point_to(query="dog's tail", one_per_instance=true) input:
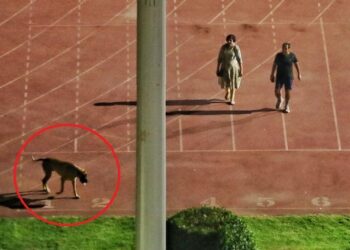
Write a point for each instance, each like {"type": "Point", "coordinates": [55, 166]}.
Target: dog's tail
{"type": "Point", "coordinates": [39, 159]}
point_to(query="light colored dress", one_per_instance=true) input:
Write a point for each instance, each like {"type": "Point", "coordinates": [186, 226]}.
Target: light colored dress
{"type": "Point", "coordinates": [230, 67]}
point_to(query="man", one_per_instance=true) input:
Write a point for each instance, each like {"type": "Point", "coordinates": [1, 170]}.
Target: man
{"type": "Point", "coordinates": [284, 64]}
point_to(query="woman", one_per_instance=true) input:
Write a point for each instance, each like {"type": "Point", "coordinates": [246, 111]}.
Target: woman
{"type": "Point", "coordinates": [230, 68]}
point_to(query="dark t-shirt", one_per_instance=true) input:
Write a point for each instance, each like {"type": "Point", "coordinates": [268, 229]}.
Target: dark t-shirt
{"type": "Point", "coordinates": [285, 65]}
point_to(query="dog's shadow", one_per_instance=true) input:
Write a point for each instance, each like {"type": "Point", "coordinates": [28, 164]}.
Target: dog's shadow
{"type": "Point", "coordinates": [11, 200]}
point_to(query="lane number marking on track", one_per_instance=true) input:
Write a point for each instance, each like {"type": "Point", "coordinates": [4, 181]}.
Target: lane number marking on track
{"type": "Point", "coordinates": [321, 201]}
{"type": "Point", "coordinates": [48, 204]}
{"type": "Point", "coordinates": [210, 202]}
{"type": "Point", "coordinates": [265, 202]}
{"type": "Point", "coordinates": [100, 202]}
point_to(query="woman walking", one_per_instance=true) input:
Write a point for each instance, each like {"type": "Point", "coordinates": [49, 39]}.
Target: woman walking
{"type": "Point", "coordinates": [230, 68]}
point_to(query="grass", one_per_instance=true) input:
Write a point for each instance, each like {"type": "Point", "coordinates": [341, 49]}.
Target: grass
{"type": "Point", "coordinates": [319, 232]}
{"type": "Point", "coordinates": [103, 233]}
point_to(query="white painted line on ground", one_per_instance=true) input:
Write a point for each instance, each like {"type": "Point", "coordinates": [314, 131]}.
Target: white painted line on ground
{"type": "Point", "coordinates": [224, 8]}
{"type": "Point", "coordinates": [274, 41]}
{"type": "Point", "coordinates": [203, 151]}
{"type": "Point", "coordinates": [30, 4]}
{"type": "Point", "coordinates": [62, 52]}
{"type": "Point", "coordinates": [26, 81]}
{"type": "Point", "coordinates": [178, 71]}
{"type": "Point", "coordinates": [41, 32]}
{"type": "Point", "coordinates": [167, 122]}
{"type": "Point", "coordinates": [180, 136]}
{"type": "Point", "coordinates": [128, 75]}
{"type": "Point", "coordinates": [77, 86]}
{"type": "Point", "coordinates": [325, 49]}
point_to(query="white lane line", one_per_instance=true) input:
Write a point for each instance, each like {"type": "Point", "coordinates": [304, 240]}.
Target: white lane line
{"type": "Point", "coordinates": [272, 10]}
{"type": "Point", "coordinates": [111, 56]}
{"type": "Point", "coordinates": [70, 80]}
{"type": "Point", "coordinates": [176, 8]}
{"type": "Point", "coordinates": [41, 32]}
{"type": "Point", "coordinates": [128, 75]}
{"type": "Point", "coordinates": [256, 67]}
{"type": "Point", "coordinates": [64, 51]}
{"type": "Point", "coordinates": [274, 41]}
{"type": "Point", "coordinates": [77, 86]}
{"type": "Point", "coordinates": [325, 49]}
{"type": "Point", "coordinates": [321, 12]}
{"type": "Point", "coordinates": [233, 138]}
{"type": "Point", "coordinates": [18, 12]}
{"type": "Point", "coordinates": [202, 67]}
{"type": "Point", "coordinates": [111, 121]}
{"type": "Point", "coordinates": [177, 69]}
{"type": "Point", "coordinates": [119, 117]}
{"type": "Point", "coordinates": [26, 81]}
{"type": "Point", "coordinates": [223, 12]}
{"type": "Point", "coordinates": [215, 151]}
{"type": "Point", "coordinates": [68, 112]}
{"type": "Point", "coordinates": [191, 37]}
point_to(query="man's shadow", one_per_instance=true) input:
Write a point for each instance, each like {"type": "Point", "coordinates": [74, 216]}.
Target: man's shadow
{"type": "Point", "coordinates": [33, 199]}
{"type": "Point", "coordinates": [185, 102]}
{"type": "Point", "coordinates": [11, 200]}
{"type": "Point", "coordinates": [218, 112]}
{"type": "Point", "coordinates": [191, 102]}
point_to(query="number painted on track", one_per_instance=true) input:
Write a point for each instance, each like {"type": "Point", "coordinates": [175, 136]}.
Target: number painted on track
{"type": "Point", "coordinates": [100, 202]}
{"type": "Point", "coordinates": [265, 202]}
{"type": "Point", "coordinates": [211, 202]}
{"type": "Point", "coordinates": [48, 204]}
{"type": "Point", "coordinates": [321, 201]}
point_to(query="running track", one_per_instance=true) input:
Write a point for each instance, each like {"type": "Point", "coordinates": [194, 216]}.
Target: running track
{"type": "Point", "coordinates": [75, 61]}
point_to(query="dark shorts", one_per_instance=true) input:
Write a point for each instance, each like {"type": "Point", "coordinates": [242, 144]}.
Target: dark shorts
{"type": "Point", "coordinates": [286, 82]}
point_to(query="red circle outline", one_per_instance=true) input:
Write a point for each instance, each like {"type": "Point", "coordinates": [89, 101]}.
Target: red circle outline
{"type": "Point", "coordinates": [43, 130]}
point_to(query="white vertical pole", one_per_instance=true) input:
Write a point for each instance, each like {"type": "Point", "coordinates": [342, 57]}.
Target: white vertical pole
{"type": "Point", "coordinates": [151, 151]}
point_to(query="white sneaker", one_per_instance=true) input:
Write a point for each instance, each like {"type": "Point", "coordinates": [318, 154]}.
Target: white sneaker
{"type": "Point", "coordinates": [286, 109]}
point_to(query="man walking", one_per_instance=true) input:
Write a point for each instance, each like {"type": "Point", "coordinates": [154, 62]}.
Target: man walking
{"type": "Point", "coordinates": [284, 77]}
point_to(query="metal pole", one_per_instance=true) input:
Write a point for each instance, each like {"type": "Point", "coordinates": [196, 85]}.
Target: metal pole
{"type": "Point", "coordinates": [151, 151]}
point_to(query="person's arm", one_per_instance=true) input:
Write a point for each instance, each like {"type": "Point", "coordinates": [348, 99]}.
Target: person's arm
{"type": "Point", "coordinates": [240, 61]}
{"type": "Point", "coordinates": [219, 62]}
{"type": "Point", "coordinates": [272, 76]}
{"type": "Point", "coordinates": [298, 70]}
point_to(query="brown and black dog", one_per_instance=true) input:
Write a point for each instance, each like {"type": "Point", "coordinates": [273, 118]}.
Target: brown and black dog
{"type": "Point", "coordinates": [66, 170]}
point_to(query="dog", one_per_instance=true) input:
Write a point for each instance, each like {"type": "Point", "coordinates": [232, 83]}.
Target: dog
{"type": "Point", "coordinates": [66, 170]}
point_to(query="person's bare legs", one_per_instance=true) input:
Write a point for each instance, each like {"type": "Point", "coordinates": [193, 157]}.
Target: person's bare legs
{"type": "Point", "coordinates": [232, 96]}
{"type": "Point", "coordinates": [278, 96]}
{"type": "Point", "coordinates": [286, 104]}
{"type": "Point", "coordinates": [227, 94]}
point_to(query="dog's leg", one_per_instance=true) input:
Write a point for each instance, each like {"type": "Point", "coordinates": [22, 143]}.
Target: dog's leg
{"type": "Point", "coordinates": [62, 186]}
{"type": "Point", "coordinates": [74, 183]}
{"type": "Point", "coordinates": [45, 180]}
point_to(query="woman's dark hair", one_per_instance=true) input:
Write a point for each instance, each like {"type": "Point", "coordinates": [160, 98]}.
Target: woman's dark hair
{"type": "Point", "coordinates": [231, 37]}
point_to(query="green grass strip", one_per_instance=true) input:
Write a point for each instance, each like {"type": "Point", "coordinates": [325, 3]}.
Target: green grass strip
{"type": "Point", "coordinates": [321, 232]}
{"type": "Point", "coordinates": [314, 232]}
{"type": "Point", "coordinates": [103, 233]}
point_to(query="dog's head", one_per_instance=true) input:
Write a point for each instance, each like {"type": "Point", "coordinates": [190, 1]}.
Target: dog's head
{"type": "Point", "coordinates": [83, 177]}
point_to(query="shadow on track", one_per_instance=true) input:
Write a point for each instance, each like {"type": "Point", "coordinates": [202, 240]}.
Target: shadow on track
{"type": "Point", "coordinates": [218, 112]}
{"type": "Point", "coordinates": [186, 102]}
{"type": "Point", "coordinates": [33, 199]}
